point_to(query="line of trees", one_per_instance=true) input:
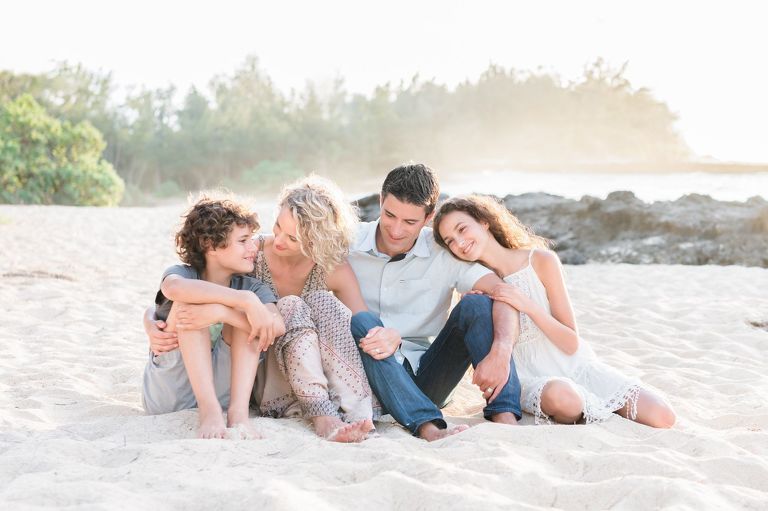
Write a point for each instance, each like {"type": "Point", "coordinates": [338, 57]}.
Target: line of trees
{"type": "Point", "coordinates": [243, 131]}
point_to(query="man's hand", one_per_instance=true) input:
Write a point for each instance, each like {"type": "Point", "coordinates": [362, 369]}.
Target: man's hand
{"type": "Point", "coordinates": [262, 322]}
{"type": "Point", "coordinates": [492, 373]}
{"type": "Point", "coordinates": [191, 316]}
{"type": "Point", "coordinates": [380, 342]}
{"type": "Point", "coordinates": [160, 341]}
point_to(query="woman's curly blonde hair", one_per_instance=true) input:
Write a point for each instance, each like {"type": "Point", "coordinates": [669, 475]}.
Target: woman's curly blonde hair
{"type": "Point", "coordinates": [326, 222]}
{"type": "Point", "coordinates": [503, 225]}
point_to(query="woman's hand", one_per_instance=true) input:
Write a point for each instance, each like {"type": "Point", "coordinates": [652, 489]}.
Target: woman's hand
{"type": "Point", "coordinates": [160, 341]}
{"type": "Point", "coordinates": [380, 342]}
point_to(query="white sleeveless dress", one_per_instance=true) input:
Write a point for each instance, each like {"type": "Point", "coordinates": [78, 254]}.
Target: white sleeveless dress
{"type": "Point", "coordinates": [538, 361]}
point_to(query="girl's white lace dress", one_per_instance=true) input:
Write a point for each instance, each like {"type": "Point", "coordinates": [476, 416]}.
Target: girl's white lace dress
{"type": "Point", "coordinates": [538, 361]}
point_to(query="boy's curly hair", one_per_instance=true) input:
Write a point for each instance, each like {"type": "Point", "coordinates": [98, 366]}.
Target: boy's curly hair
{"type": "Point", "coordinates": [207, 225]}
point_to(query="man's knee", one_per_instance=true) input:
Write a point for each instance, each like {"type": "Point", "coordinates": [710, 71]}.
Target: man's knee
{"type": "Point", "coordinates": [475, 307]}
{"type": "Point", "coordinates": [362, 322]}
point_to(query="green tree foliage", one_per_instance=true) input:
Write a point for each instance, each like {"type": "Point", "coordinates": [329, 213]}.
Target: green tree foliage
{"type": "Point", "coordinates": [243, 131]}
{"type": "Point", "coordinates": [47, 161]}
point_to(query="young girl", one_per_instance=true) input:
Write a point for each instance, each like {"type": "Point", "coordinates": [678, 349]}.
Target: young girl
{"type": "Point", "coordinates": [561, 378]}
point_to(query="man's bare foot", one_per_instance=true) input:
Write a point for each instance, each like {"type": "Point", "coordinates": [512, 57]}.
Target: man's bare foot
{"type": "Point", "coordinates": [336, 430]}
{"type": "Point", "coordinates": [212, 424]}
{"type": "Point", "coordinates": [240, 422]}
{"type": "Point", "coordinates": [505, 418]}
{"type": "Point", "coordinates": [429, 432]}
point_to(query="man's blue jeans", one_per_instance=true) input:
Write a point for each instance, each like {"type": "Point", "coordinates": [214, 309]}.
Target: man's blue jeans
{"type": "Point", "coordinates": [465, 339]}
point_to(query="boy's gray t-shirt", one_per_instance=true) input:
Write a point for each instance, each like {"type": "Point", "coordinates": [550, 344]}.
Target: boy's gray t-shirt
{"type": "Point", "coordinates": [240, 282]}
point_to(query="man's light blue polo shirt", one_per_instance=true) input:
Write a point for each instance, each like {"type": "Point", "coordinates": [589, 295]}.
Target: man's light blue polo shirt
{"type": "Point", "coordinates": [412, 295]}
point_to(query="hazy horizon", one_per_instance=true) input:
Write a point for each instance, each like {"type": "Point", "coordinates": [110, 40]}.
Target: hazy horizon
{"type": "Point", "coordinates": [707, 71]}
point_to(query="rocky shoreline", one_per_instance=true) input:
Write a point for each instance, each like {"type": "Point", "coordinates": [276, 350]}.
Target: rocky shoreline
{"type": "Point", "coordinates": [694, 229]}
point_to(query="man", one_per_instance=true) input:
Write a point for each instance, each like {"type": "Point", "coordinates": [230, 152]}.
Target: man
{"type": "Point", "coordinates": [413, 352]}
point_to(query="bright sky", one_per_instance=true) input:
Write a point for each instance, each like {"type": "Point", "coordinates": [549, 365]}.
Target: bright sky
{"type": "Point", "coordinates": [706, 60]}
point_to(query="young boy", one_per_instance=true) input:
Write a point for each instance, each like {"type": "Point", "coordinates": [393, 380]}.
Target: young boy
{"type": "Point", "coordinates": [216, 246]}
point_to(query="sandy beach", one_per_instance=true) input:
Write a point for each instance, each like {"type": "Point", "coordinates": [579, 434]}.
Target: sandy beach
{"type": "Point", "coordinates": [75, 281]}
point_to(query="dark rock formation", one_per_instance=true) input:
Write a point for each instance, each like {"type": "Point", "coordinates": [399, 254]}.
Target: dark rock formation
{"type": "Point", "coordinates": [694, 229]}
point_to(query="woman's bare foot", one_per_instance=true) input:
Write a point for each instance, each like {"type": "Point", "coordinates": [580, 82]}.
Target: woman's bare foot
{"type": "Point", "coordinates": [505, 418]}
{"type": "Point", "coordinates": [241, 423]}
{"type": "Point", "coordinates": [211, 424]}
{"type": "Point", "coordinates": [429, 432]}
{"type": "Point", "coordinates": [336, 430]}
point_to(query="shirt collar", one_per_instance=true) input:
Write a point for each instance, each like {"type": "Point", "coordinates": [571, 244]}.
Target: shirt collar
{"type": "Point", "coordinates": [368, 241]}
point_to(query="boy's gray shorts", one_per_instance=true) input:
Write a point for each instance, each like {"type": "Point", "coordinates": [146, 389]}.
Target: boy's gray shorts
{"type": "Point", "coordinates": [166, 387]}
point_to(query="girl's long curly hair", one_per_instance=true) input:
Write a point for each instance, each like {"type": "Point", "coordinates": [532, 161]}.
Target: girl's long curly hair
{"type": "Point", "coordinates": [503, 225]}
{"type": "Point", "coordinates": [326, 221]}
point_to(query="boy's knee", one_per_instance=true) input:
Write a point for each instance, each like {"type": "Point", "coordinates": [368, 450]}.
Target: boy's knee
{"type": "Point", "coordinates": [186, 336]}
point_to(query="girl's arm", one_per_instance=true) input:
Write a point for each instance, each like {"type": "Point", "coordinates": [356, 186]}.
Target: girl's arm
{"type": "Point", "coordinates": [560, 325]}
{"type": "Point", "coordinates": [343, 282]}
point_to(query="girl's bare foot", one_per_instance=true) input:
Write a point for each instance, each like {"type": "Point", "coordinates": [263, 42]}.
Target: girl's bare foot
{"type": "Point", "coordinates": [429, 432]}
{"type": "Point", "coordinates": [211, 424]}
{"type": "Point", "coordinates": [336, 430]}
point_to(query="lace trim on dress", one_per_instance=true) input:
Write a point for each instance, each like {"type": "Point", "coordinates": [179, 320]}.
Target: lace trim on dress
{"type": "Point", "coordinates": [535, 405]}
{"type": "Point", "coordinates": [528, 330]}
{"type": "Point", "coordinates": [595, 410]}
{"type": "Point", "coordinates": [626, 397]}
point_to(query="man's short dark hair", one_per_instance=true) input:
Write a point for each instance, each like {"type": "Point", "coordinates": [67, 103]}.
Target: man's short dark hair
{"type": "Point", "coordinates": [414, 183]}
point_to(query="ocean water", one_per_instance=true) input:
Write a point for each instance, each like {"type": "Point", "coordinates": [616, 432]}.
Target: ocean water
{"type": "Point", "coordinates": [648, 187]}
{"type": "Point", "coordinates": [573, 185]}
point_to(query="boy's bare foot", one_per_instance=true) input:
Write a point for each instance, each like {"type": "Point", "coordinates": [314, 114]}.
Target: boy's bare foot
{"type": "Point", "coordinates": [429, 432]}
{"type": "Point", "coordinates": [211, 424]}
{"type": "Point", "coordinates": [336, 430]}
{"type": "Point", "coordinates": [241, 423]}
{"type": "Point", "coordinates": [244, 431]}
{"type": "Point", "coordinates": [505, 418]}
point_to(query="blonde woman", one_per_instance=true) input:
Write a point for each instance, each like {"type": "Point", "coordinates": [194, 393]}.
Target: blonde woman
{"type": "Point", "coordinates": [314, 370]}
{"type": "Point", "coordinates": [560, 376]}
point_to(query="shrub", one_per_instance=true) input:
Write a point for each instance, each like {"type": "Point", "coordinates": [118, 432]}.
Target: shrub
{"type": "Point", "coordinates": [46, 161]}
